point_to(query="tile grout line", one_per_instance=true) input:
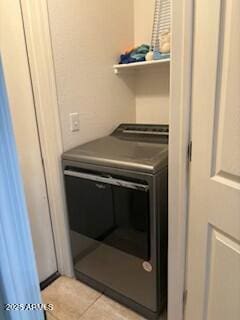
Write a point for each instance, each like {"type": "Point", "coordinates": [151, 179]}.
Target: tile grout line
{"type": "Point", "coordinates": [90, 306]}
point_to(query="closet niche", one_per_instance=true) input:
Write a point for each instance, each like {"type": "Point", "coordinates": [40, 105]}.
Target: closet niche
{"type": "Point", "coordinates": [151, 78]}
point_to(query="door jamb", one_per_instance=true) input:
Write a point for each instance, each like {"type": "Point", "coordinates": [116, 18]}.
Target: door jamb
{"type": "Point", "coordinates": [39, 50]}
{"type": "Point", "coordinates": [180, 120]}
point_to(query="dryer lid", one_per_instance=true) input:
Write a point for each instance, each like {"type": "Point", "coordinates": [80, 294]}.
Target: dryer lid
{"type": "Point", "coordinates": [132, 147]}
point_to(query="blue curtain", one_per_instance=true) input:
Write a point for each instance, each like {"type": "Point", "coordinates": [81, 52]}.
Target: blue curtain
{"type": "Point", "coordinates": [19, 282]}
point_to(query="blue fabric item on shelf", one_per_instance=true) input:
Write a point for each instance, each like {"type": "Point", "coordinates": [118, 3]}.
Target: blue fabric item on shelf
{"type": "Point", "coordinates": [159, 56]}
{"type": "Point", "coordinates": [135, 55]}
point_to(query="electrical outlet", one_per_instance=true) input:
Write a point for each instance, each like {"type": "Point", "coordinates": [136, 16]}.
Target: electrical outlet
{"type": "Point", "coordinates": [74, 121]}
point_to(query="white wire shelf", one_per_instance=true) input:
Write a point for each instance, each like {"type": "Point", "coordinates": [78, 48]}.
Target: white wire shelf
{"type": "Point", "coordinates": [139, 65]}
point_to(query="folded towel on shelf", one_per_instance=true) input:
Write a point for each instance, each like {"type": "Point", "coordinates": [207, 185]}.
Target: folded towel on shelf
{"type": "Point", "coordinates": [160, 56]}
{"type": "Point", "coordinates": [134, 55]}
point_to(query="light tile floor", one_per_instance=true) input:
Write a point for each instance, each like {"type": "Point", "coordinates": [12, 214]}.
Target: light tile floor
{"type": "Point", "coordinates": [73, 300]}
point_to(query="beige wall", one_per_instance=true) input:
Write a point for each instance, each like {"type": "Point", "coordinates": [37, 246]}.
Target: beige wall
{"type": "Point", "coordinates": [152, 87]}
{"type": "Point", "coordinates": [152, 95]}
{"type": "Point", "coordinates": [87, 37]}
{"type": "Point", "coordinates": [143, 20]}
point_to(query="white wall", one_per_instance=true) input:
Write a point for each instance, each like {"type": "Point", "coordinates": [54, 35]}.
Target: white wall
{"type": "Point", "coordinates": [143, 21]}
{"type": "Point", "coordinates": [152, 87]}
{"type": "Point", "coordinates": [87, 37]}
{"type": "Point", "coordinates": [152, 95]}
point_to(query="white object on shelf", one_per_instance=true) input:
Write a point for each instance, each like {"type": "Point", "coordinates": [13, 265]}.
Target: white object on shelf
{"type": "Point", "coordinates": [139, 65]}
{"type": "Point", "coordinates": [149, 56]}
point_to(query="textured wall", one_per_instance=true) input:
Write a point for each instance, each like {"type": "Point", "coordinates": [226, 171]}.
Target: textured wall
{"type": "Point", "coordinates": [87, 37]}
{"type": "Point", "coordinates": [152, 95]}
{"type": "Point", "coordinates": [143, 19]}
{"type": "Point", "coordinates": [152, 88]}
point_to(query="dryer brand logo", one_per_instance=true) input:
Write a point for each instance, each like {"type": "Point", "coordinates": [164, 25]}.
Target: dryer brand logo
{"type": "Point", "coordinates": [147, 266]}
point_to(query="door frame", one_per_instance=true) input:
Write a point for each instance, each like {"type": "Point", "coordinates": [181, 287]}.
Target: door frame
{"type": "Point", "coordinates": [39, 51]}
{"type": "Point", "coordinates": [179, 142]}
{"type": "Point", "coordinates": [39, 47]}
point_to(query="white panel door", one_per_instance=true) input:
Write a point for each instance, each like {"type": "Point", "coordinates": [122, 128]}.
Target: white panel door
{"type": "Point", "coordinates": [18, 82]}
{"type": "Point", "coordinates": [213, 267]}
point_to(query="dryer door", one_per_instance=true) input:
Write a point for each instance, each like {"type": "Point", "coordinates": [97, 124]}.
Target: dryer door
{"type": "Point", "coordinates": [109, 219]}
{"type": "Point", "coordinates": [110, 210]}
